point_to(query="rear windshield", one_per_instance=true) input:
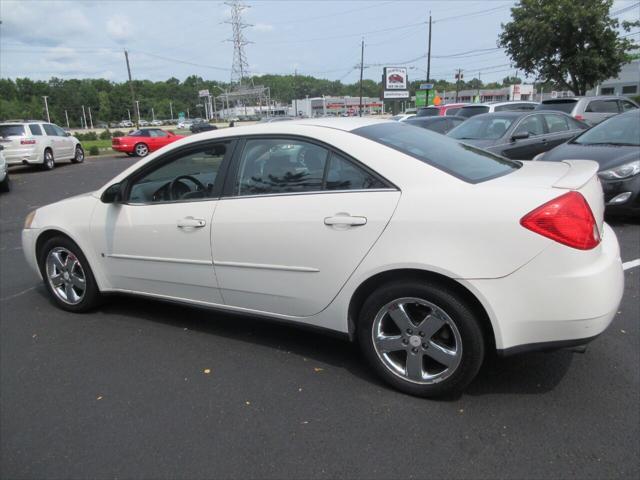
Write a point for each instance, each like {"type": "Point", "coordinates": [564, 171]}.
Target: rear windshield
{"type": "Point", "coordinates": [465, 162]}
{"type": "Point", "coordinates": [428, 112]}
{"type": "Point", "coordinates": [565, 106]}
{"type": "Point", "coordinates": [471, 111]}
{"type": "Point", "coordinates": [11, 130]}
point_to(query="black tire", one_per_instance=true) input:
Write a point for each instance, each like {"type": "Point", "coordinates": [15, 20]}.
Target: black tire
{"type": "Point", "coordinates": [92, 296]}
{"type": "Point", "coordinates": [49, 163]}
{"type": "Point", "coordinates": [79, 155]}
{"type": "Point", "coordinates": [460, 314]}
{"type": "Point", "coordinates": [5, 185]}
{"type": "Point", "coordinates": [141, 149]}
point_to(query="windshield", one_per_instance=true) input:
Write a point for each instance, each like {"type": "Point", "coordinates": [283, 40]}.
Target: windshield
{"type": "Point", "coordinates": [565, 106]}
{"type": "Point", "coordinates": [618, 130]}
{"type": "Point", "coordinates": [428, 112]}
{"type": "Point", "coordinates": [462, 161]}
{"type": "Point", "coordinates": [11, 130]}
{"type": "Point", "coordinates": [468, 112]}
{"type": "Point", "coordinates": [486, 127]}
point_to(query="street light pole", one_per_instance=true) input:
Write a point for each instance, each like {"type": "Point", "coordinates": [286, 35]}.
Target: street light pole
{"type": "Point", "coordinates": [429, 59]}
{"type": "Point", "coordinates": [361, 69]}
{"type": "Point", "coordinates": [84, 115]}
{"type": "Point", "coordinates": [90, 118]}
{"type": "Point", "coordinates": [138, 113]}
{"type": "Point", "coordinates": [67, 117]}
{"type": "Point", "coordinates": [46, 107]}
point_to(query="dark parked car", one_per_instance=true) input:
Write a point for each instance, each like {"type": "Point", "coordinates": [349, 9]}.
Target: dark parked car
{"type": "Point", "coordinates": [202, 127]}
{"type": "Point", "coordinates": [518, 135]}
{"type": "Point", "coordinates": [435, 124]}
{"type": "Point", "coordinates": [615, 145]}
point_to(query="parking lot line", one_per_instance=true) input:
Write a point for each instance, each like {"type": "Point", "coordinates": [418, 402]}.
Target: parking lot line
{"type": "Point", "coordinates": [631, 264]}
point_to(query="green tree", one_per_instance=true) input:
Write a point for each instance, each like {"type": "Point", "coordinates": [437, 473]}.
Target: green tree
{"type": "Point", "coordinates": [574, 44]}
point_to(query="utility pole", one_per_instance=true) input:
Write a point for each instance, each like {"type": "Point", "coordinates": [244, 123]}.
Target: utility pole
{"type": "Point", "coordinates": [429, 59]}
{"type": "Point", "coordinates": [90, 118]}
{"type": "Point", "coordinates": [171, 109]}
{"type": "Point", "coordinates": [67, 117]}
{"type": "Point", "coordinates": [295, 92]}
{"type": "Point", "coordinates": [458, 78]}
{"type": "Point", "coordinates": [153, 115]}
{"type": "Point", "coordinates": [126, 57]}
{"type": "Point", "coordinates": [361, 69]}
{"type": "Point", "coordinates": [46, 107]}
{"type": "Point", "coordinates": [84, 115]}
{"type": "Point", "coordinates": [129, 114]}
{"type": "Point", "coordinates": [479, 83]}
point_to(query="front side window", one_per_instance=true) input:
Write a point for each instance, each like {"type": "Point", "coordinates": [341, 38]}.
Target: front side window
{"type": "Point", "coordinates": [556, 123]}
{"type": "Point", "coordinates": [50, 131]}
{"type": "Point", "coordinates": [139, 133]}
{"type": "Point", "coordinates": [158, 133]}
{"type": "Point", "coordinates": [486, 127]}
{"type": "Point", "coordinates": [191, 176]}
{"type": "Point", "coordinates": [35, 129]}
{"type": "Point", "coordinates": [59, 132]}
{"type": "Point", "coordinates": [465, 162]}
{"type": "Point", "coordinates": [531, 125]}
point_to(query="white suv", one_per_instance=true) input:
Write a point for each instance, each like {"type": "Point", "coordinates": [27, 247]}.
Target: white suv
{"type": "Point", "coordinates": [38, 143]}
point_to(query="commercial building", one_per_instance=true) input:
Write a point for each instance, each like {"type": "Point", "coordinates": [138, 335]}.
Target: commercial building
{"type": "Point", "coordinates": [512, 92]}
{"type": "Point", "coordinates": [335, 106]}
{"type": "Point", "coordinates": [626, 83]}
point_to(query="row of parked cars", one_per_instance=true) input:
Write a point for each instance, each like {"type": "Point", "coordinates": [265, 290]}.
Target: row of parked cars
{"type": "Point", "coordinates": [602, 129]}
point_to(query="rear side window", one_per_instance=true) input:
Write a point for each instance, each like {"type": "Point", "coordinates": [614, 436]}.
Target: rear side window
{"type": "Point", "coordinates": [465, 162]}
{"type": "Point", "coordinates": [49, 130]}
{"type": "Point", "coordinates": [35, 129]}
{"type": "Point", "coordinates": [602, 106]}
{"type": "Point", "coordinates": [556, 123]}
{"type": "Point", "coordinates": [565, 106]}
{"type": "Point", "coordinates": [531, 125]}
{"type": "Point", "coordinates": [344, 175]}
{"type": "Point", "coordinates": [626, 105]}
{"type": "Point", "coordinates": [11, 130]}
{"type": "Point", "coordinates": [471, 111]}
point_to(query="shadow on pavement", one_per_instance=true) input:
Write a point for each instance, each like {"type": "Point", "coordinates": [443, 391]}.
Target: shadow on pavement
{"type": "Point", "coordinates": [534, 373]}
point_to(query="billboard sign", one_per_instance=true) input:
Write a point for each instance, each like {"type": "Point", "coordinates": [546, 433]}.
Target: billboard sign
{"type": "Point", "coordinates": [395, 78]}
{"type": "Point", "coordinates": [421, 98]}
{"type": "Point", "coordinates": [426, 86]}
{"type": "Point", "coordinates": [203, 93]}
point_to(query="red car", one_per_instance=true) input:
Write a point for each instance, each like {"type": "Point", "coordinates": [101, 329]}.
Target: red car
{"type": "Point", "coordinates": [440, 110]}
{"type": "Point", "coordinates": [143, 141]}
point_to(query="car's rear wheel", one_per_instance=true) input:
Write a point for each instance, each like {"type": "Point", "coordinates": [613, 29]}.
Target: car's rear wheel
{"type": "Point", "coordinates": [141, 150]}
{"type": "Point", "coordinates": [421, 338]}
{"type": "Point", "coordinates": [49, 162]}
{"type": "Point", "coordinates": [67, 275]}
{"type": "Point", "coordinates": [79, 155]}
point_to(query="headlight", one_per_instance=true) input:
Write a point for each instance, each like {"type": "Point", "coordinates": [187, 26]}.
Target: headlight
{"type": "Point", "coordinates": [623, 171]}
{"type": "Point", "coordinates": [29, 220]}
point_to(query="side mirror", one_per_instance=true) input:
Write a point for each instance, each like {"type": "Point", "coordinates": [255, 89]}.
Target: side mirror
{"type": "Point", "coordinates": [519, 136]}
{"type": "Point", "coordinates": [67, 134]}
{"type": "Point", "coordinates": [113, 194]}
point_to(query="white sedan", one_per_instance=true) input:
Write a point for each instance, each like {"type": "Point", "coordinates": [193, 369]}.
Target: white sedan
{"type": "Point", "coordinates": [426, 251]}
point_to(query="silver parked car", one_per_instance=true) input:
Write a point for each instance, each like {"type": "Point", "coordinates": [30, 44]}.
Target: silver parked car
{"type": "Point", "coordinates": [5, 184]}
{"type": "Point", "coordinates": [591, 110]}
{"type": "Point", "coordinates": [473, 109]}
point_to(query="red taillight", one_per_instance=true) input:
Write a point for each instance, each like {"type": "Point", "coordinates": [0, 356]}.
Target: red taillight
{"type": "Point", "coordinates": [567, 219]}
{"type": "Point", "coordinates": [27, 141]}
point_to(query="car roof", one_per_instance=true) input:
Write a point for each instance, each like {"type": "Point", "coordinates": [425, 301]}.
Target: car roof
{"type": "Point", "coordinates": [597, 97]}
{"type": "Point", "coordinates": [507, 113]}
{"type": "Point", "coordinates": [495, 104]}
{"type": "Point", "coordinates": [339, 123]}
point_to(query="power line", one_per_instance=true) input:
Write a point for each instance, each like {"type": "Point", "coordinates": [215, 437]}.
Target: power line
{"type": "Point", "coordinates": [626, 9]}
{"type": "Point", "coordinates": [472, 14]}
{"type": "Point", "coordinates": [330, 15]}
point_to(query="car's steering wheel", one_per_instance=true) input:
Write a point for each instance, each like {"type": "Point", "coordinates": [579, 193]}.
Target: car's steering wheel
{"type": "Point", "coordinates": [173, 186]}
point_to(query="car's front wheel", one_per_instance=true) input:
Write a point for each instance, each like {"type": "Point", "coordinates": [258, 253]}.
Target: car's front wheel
{"type": "Point", "coordinates": [421, 338]}
{"type": "Point", "coordinates": [49, 162]}
{"type": "Point", "coordinates": [141, 150]}
{"type": "Point", "coordinates": [67, 275]}
{"type": "Point", "coordinates": [79, 155]}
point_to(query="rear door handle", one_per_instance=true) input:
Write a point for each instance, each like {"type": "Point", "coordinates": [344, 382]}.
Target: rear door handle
{"type": "Point", "coordinates": [345, 221]}
{"type": "Point", "coordinates": [190, 222]}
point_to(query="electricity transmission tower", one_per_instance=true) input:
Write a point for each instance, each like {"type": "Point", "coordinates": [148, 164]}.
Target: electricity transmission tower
{"type": "Point", "coordinates": [240, 67]}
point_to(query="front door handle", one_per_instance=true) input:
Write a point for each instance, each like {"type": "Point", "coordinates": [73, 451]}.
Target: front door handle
{"type": "Point", "coordinates": [345, 220]}
{"type": "Point", "coordinates": [190, 222]}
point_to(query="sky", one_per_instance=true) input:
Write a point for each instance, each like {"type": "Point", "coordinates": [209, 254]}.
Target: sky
{"type": "Point", "coordinates": [173, 38]}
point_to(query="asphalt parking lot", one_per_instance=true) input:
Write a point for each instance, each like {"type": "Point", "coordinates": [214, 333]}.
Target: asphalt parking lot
{"type": "Point", "coordinates": [149, 390]}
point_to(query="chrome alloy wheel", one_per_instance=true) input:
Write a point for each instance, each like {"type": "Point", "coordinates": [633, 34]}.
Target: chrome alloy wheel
{"type": "Point", "coordinates": [142, 150]}
{"type": "Point", "coordinates": [66, 276]}
{"type": "Point", "coordinates": [49, 162]}
{"type": "Point", "coordinates": [417, 341]}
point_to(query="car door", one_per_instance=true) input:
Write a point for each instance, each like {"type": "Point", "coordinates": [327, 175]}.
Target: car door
{"type": "Point", "coordinates": [157, 240]}
{"type": "Point", "coordinates": [296, 220]}
{"type": "Point", "coordinates": [559, 129]}
{"type": "Point", "coordinates": [54, 140]}
{"type": "Point", "coordinates": [526, 148]}
{"type": "Point", "coordinates": [156, 139]}
{"type": "Point", "coordinates": [67, 146]}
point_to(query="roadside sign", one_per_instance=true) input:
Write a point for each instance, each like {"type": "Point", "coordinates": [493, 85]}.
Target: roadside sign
{"type": "Point", "coordinates": [426, 86]}
{"type": "Point", "coordinates": [203, 93]}
{"type": "Point", "coordinates": [421, 98]}
{"type": "Point", "coordinates": [395, 78]}
{"type": "Point", "coordinates": [396, 94]}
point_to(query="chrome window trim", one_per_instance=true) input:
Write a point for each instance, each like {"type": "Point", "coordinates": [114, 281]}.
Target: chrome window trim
{"type": "Point", "coordinates": [315, 192]}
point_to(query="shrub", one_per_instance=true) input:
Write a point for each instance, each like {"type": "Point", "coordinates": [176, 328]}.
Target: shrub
{"type": "Point", "coordinates": [86, 136]}
{"type": "Point", "coordinates": [94, 150]}
{"type": "Point", "coordinates": [105, 135]}
{"type": "Point", "coordinates": [636, 99]}
{"type": "Point", "coordinates": [117, 133]}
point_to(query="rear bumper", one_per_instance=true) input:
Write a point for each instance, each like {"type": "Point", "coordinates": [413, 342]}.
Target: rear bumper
{"type": "Point", "coordinates": [21, 156]}
{"type": "Point", "coordinates": [562, 296]}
